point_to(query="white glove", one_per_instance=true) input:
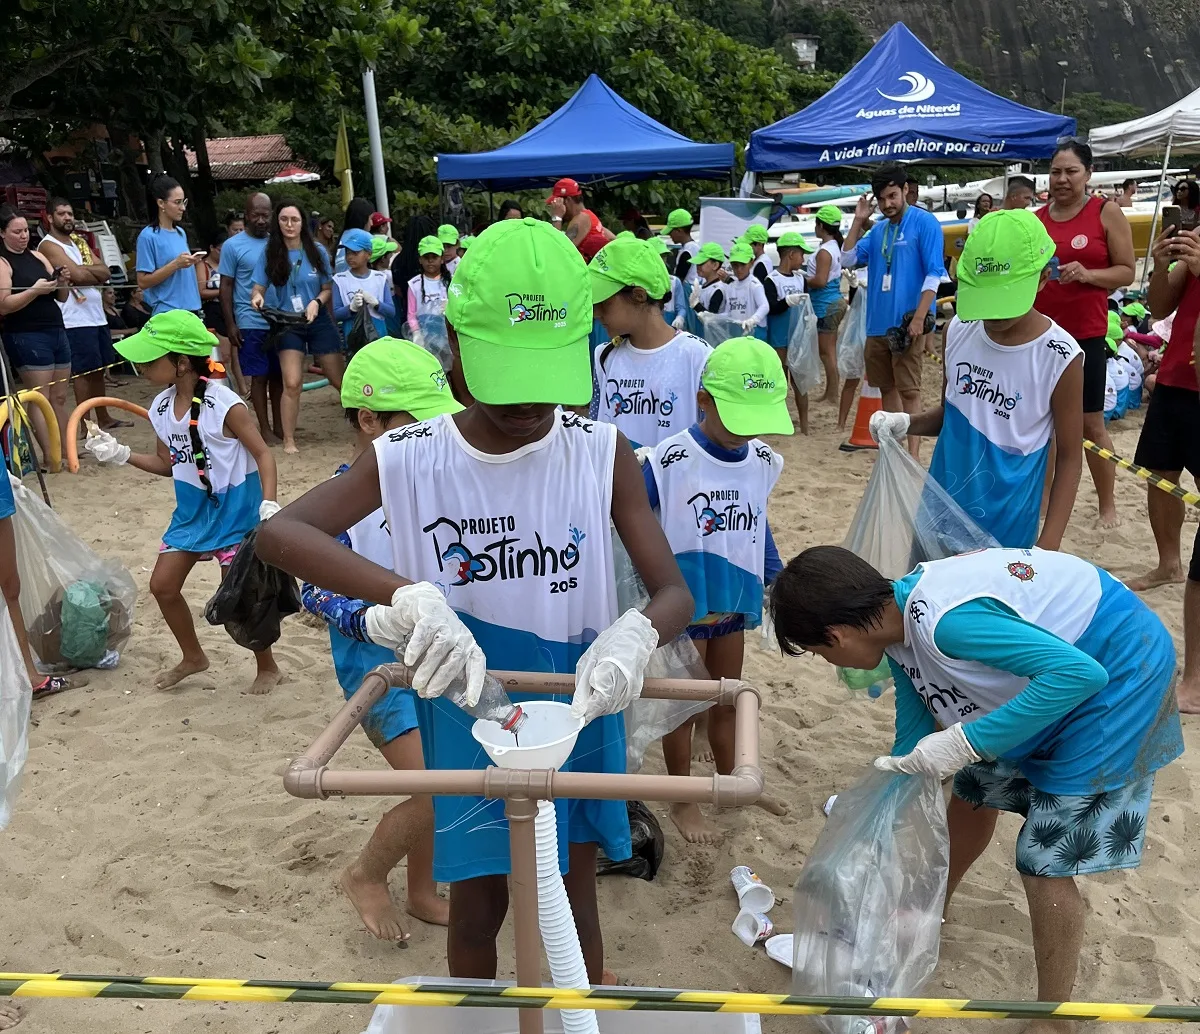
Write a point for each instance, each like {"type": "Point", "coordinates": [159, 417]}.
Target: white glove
{"type": "Point", "coordinates": [369, 298]}
{"type": "Point", "coordinates": [939, 754]}
{"type": "Point", "coordinates": [267, 509]}
{"type": "Point", "coordinates": [749, 325]}
{"type": "Point", "coordinates": [356, 302]}
{"type": "Point", "coordinates": [679, 322]}
{"type": "Point", "coordinates": [608, 677]}
{"type": "Point", "coordinates": [437, 645]}
{"type": "Point", "coordinates": [894, 425]}
{"type": "Point", "coordinates": [643, 453]}
{"type": "Point", "coordinates": [105, 448]}
{"type": "Point", "coordinates": [795, 299]}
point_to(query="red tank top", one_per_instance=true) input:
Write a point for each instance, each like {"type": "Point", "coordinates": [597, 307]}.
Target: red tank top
{"type": "Point", "coordinates": [1178, 369]}
{"type": "Point", "coordinates": [594, 239]}
{"type": "Point", "coordinates": [1080, 309]}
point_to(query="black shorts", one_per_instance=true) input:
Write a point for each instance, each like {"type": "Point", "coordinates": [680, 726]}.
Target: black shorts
{"type": "Point", "coordinates": [1095, 367]}
{"type": "Point", "coordinates": [1170, 442]}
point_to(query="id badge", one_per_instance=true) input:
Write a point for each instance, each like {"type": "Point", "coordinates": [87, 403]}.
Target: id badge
{"type": "Point", "coordinates": [298, 303]}
{"type": "Point", "coordinates": [886, 285]}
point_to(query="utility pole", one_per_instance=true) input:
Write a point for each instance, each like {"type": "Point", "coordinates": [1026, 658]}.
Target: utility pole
{"type": "Point", "coordinates": [381, 194]}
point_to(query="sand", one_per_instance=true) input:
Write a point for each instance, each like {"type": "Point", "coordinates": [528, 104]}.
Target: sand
{"type": "Point", "coordinates": [153, 835]}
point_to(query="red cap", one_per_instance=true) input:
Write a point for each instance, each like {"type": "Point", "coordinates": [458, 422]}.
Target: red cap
{"type": "Point", "coordinates": [565, 188]}
{"type": "Point", "coordinates": [377, 220]}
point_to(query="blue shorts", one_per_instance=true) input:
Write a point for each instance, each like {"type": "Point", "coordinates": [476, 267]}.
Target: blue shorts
{"type": "Point", "coordinates": [716, 625]}
{"type": "Point", "coordinates": [251, 357]}
{"type": "Point", "coordinates": [1063, 835]}
{"type": "Point", "coordinates": [8, 505]}
{"type": "Point", "coordinates": [38, 350]}
{"type": "Point", "coordinates": [320, 337]}
{"type": "Point", "coordinates": [90, 348]}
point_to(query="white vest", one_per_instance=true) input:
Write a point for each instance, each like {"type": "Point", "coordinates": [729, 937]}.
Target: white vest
{"type": "Point", "coordinates": [84, 307]}
{"type": "Point", "coordinates": [786, 286]}
{"type": "Point", "coordinates": [706, 291]}
{"type": "Point", "coordinates": [743, 298]}
{"type": "Point", "coordinates": [835, 261]}
{"type": "Point", "coordinates": [1134, 363]}
{"type": "Point", "coordinates": [520, 541]}
{"type": "Point", "coordinates": [229, 462]}
{"type": "Point", "coordinates": [1055, 591]}
{"type": "Point", "coordinates": [377, 283]}
{"type": "Point", "coordinates": [430, 295]}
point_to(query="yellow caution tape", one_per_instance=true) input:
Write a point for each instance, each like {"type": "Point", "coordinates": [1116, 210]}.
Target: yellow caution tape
{"type": "Point", "coordinates": [1146, 475]}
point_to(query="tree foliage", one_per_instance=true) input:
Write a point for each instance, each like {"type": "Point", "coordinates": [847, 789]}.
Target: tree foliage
{"type": "Point", "coordinates": [1091, 109]}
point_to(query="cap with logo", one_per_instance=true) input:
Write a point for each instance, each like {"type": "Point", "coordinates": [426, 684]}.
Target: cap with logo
{"type": "Point", "coordinates": [1135, 309]}
{"type": "Point", "coordinates": [746, 380]}
{"type": "Point", "coordinates": [565, 187]}
{"type": "Point", "coordinates": [377, 220]}
{"type": "Point", "coordinates": [521, 305]}
{"type": "Point", "coordinates": [792, 239]}
{"type": "Point", "coordinates": [176, 330]}
{"type": "Point", "coordinates": [389, 375]}
{"type": "Point", "coordinates": [429, 246]}
{"type": "Point", "coordinates": [356, 240]}
{"type": "Point", "coordinates": [830, 215]}
{"type": "Point", "coordinates": [710, 252]}
{"type": "Point", "coordinates": [1001, 265]}
{"type": "Point", "coordinates": [741, 252]}
{"type": "Point", "coordinates": [381, 246]}
{"type": "Point", "coordinates": [755, 234]}
{"type": "Point", "coordinates": [447, 234]}
{"type": "Point", "coordinates": [679, 219]}
{"type": "Point", "coordinates": [628, 262]}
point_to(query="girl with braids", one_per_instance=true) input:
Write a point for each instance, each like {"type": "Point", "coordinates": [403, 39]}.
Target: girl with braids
{"type": "Point", "coordinates": [224, 474]}
{"type": "Point", "coordinates": [427, 291]}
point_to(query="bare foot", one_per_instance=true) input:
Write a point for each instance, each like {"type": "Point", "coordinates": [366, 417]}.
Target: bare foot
{"type": "Point", "coordinates": [609, 979]}
{"type": "Point", "coordinates": [290, 448]}
{"type": "Point", "coordinates": [181, 671]}
{"type": "Point", "coordinates": [434, 910]}
{"type": "Point", "coordinates": [264, 682]}
{"type": "Point", "coordinates": [829, 398]}
{"type": "Point", "coordinates": [1187, 692]}
{"type": "Point", "coordinates": [374, 905]}
{"type": "Point", "coordinates": [1159, 576]}
{"type": "Point", "coordinates": [1108, 520]}
{"type": "Point", "coordinates": [692, 824]}
{"type": "Point", "coordinates": [772, 805]}
{"type": "Point", "coordinates": [11, 1015]}
{"type": "Point", "coordinates": [704, 755]}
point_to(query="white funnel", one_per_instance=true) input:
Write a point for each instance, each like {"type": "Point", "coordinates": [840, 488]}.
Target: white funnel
{"type": "Point", "coordinates": [546, 739]}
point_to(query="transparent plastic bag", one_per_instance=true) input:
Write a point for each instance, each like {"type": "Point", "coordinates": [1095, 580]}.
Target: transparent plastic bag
{"type": "Point", "coordinates": [51, 559]}
{"type": "Point", "coordinates": [869, 899]}
{"type": "Point", "coordinates": [431, 336]}
{"type": "Point", "coordinates": [16, 695]}
{"type": "Point", "coordinates": [803, 358]}
{"type": "Point", "coordinates": [717, 329]}
{"type": "Point", "coordinates": [852, 338]}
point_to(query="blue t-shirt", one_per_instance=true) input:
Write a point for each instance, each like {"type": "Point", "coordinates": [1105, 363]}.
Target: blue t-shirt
{"type": "Point", "coordinates": [155, 248]}
{"type": "Point", "coordinates": [239, 259]}
{"type": "Point", "coordinates": [303, 282]}
{"type": "Point", "coordinates": [917, 265]}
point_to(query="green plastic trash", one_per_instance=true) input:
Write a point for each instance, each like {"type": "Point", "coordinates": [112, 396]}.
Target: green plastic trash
{"type": "Point", "coordinates": [84, 624]}
{"type": "Point", "coordinates": [858, 679]}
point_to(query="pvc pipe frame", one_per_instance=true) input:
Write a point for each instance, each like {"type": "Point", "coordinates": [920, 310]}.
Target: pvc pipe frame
{"type": "Point", "coordinates": [40, 402]}
{"type": "Point", "coordinates": [72, 442]}
{"type": "Point", "coordinates": [308, 776]}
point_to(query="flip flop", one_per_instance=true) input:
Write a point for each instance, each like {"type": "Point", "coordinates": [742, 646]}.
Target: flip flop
{"type": "Point", "coordinates": [779, 948]}
{"type": "Point", "coordinates": [54, 684]}
{"type": "Point", "coordinates": [118, 423]}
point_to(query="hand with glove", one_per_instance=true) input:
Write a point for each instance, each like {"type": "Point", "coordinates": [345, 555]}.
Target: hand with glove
{"type": "Point", "coordinates": [795, 299]}
{"type": "Point", "coordinates": [369, 298]}
{"type": "Point", "coordinates": [356, 301]}
{"type": "Point", "coordinates": [748, 326]}
{"type": "Point", "coordinates": [267, 509]}
{"type": "Point", "coordinates": [437, 645]}
{"type": "Point", "coordinates": [679, 322]}
{"type": "Point", "coordinates": [104, 447]}
{"type": "Point", "coordinates": [893, 425]}
{"type": "Point", "coordinates": [939, 754]}
{"type": "Point", "coordinates": [608, 677]}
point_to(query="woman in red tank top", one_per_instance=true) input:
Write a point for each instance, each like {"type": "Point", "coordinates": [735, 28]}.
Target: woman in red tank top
{"type": "Point", "coordinates": [1094, 254]}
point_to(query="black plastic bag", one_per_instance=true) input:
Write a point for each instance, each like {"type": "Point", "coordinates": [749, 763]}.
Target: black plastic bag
{"type": "Point", "coordinates": [648, 844]}
{"type": "Point", "coordinates": [253, 599]}
{"type": "Point", "coordinates": [362, 331]}
{"type": "Point", "coordinates": [279, 322]}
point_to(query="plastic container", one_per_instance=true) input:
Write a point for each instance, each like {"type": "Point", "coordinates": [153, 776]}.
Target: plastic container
{"type": "Point", "coordinates": [753, 894]}
{"type": "Point", "coordinates": [546, 738]}
{"type": "Point", "coordinates": [752, 928]}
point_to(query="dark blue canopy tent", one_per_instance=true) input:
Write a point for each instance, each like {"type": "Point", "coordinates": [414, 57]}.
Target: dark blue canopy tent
{"type": "Point", "coordinates": [900, 103]}
{"type": "Point", "coordinates": [597, 136]}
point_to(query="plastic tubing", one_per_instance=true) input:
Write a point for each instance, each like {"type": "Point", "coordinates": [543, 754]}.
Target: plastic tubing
{"type": "Point", "coordinates": [313, 385]}
{"type": "Point", "coordinates": [72, 442]}
{"type": "Point", "coordinates": [559, 935]}
{"type": "Point", "coordinates": [40, 402]}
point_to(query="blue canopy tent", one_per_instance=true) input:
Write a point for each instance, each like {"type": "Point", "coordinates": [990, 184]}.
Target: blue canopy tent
{"type": "Point", "coordinates": [596, 137]}
{"type": "Point", "coordinates": [900, 103]}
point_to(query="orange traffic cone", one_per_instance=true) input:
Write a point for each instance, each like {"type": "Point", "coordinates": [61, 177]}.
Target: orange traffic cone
{"type": "Point", "coordinates": [870, 402]}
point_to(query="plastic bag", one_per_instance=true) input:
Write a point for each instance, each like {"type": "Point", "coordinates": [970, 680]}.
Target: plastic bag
{"type": "Point", "coordinates": [84, 625]}
{"type": "Point", "coordinates": [803, 357]}
{"type": "Point", "coordinates": [648, 846]}
{"type": "Point", "coordinates": [852, 338]}
{"type": "Point", "coordinates": [362, 331]}
{"type": "Point", "coordinates": [717, 329]}
{"type": "Point", "coordinates": [50, 559]}
{"type": "Point", "coordinates": [253, 599]}
{"type": "Point", "coordinates": [870, 896]}
{"type": "Point", "coordinates": [16, 695]}
{"type": "Point", "coordinates": [431, 336]}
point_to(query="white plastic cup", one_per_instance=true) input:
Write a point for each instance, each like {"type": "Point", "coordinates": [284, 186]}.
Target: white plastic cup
{"type": "Point", "coordinates": [752, 927]}
{"type": "Point", "coordinates": [753, 894]}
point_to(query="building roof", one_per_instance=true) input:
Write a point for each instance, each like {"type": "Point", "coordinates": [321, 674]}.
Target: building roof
{"type": "Point", "coordinates": [247, 158]}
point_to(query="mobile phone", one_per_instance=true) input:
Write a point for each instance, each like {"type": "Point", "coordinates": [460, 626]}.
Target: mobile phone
{"type": "Point", "coordinates": [1054, 268]}
{"type": "Point", "coordinates": [1172, 218]}
{"type": "Point", "coordinates": [58, 271]}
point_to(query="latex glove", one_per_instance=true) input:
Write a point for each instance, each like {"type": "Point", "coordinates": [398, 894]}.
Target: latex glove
{"type": "Point", "coordinates": [608, 677]}
{"type": "Point", "coordinates": [437, 645]}
{"type": "Point", "coordinates": [894, 425]}
{"type": "Point", "coordinates": [369, 298]}
{"type": "Point", "coordinates": [679, 322]}
{"type": "Point", "coordinates": [267, 509]}
{"type": "Point", "coordinates": [643, 453]}
{"type": "Point", "coordinates": [795, 299]}
{"type": "Point", "coordinates": [939, 754]}
{"type": "Point", "coordinates": [105, 448]}
{"type": "Point", "coordinates": [749, 325]}
{"type": "Point", "coordinates": [356, 301]}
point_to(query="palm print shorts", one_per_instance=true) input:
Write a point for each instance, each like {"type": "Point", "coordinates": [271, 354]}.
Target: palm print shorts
{"type": "Point", "coordinates": [1063, 835]}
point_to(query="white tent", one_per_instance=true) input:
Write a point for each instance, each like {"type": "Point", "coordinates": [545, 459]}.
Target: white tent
{"type": "Point", "coordinates": [1175, 128]}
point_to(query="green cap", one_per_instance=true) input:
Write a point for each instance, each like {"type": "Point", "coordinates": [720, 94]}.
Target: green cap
{"type": "Point", "coordinates": [741, 252]}
{"type": "Point", "coordinates": [792, 239]}
{"type": "Point", "coordinates": [429, 246]}
{"type": "Point", "coordinates": [381, 245]}
{"type": "Point", "coordinates": [659, 246]}
{"type": "Point", "coordinates": [1115, 332]}
{"type": "Point", "coordinates": [1135, 309]}
{"type": "Point", "coordinates": [679, 219]}
{"type": "Point", "coordinates": [830, 215]}
{"type": "Point", "coordinates": [389, 375]}
{"type": "Point", "coordinates": [465, 241]}
{"type": "Point", "coordinates": [755, 234]}
{"type": "Point", "coordinates": [711, 251]}
{"type": "Point", "coordinates": [521, 305]}
{"type": "Point", "coordinates": [176, 330]}
{"type": "Point", "coordinates": [746, 380]}
{"type": "Point", "coordinates": [628, 262]}
{"type": "Point", "coordinates": [1001, 265]}
{"type": "Point", "coordinates": [447, 234]}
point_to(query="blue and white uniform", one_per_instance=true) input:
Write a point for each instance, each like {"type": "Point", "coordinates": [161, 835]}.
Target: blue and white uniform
{"type": "Point", "coordinates": [745, 300]}
{"type": "Point", "coordinates": [1118, 370]}
{"type": "Point", "coordinates": [780, 327]}
{"type": "Point", "coordinates": [378, 284]}
{"type": "Point", "coordinates": [530, 572]}
{"type": "Point", "coordinates": [995, 440]}
{"type": "Point", "coordinates": [1133, 363]}
{"type": "Point", "coordinates": [200, 524]}
{"type": "Point", "coordinates": [831, 293]}
{"type": "Point", "coordinates": [676, 302]}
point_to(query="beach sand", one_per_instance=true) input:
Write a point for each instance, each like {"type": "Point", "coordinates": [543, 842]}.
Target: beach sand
{"type": "Point", "coordinates": [153, 835]}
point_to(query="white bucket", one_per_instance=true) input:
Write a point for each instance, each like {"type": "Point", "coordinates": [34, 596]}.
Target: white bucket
{"type": "Point", "coordinates": [547, 737]}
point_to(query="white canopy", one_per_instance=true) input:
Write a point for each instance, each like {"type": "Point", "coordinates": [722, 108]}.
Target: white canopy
{"type": "Point", "coordinates": [1179, 123]}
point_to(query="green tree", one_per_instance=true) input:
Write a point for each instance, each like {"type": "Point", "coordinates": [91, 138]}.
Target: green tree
{"type": "Point", "coordinates": [1091, 109]}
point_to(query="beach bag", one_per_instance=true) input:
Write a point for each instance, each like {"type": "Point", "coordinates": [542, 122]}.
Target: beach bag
{"type": "Point", "coordinates": [16, 695]}
{"type": "Point", "coordinates": [253, 599]}
{"type": "Point", "coordinates": [803, 357]}
{"type": "Point", "coordinates": [648, 842]}
{"type": "Point", "coordinates": [852, 338]}
{"type": "Point", "coordinates": [362, 331]}
{"type": "Point", "coordinates": [71, 599]}
{"type": "Point", "coordinates": [868, 902]}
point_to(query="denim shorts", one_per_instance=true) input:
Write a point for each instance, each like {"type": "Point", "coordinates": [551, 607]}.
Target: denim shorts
{"type": "Point", "coordinates": [38, 350]}
{"type": "Point", "coordinates": [90, 348]}
{"type": "Point", "coordinates": [251, 357]}
{"type": "Point", "coordinates": [832, 320]}
{"type": "Point", "coordinates": [320, 337]}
